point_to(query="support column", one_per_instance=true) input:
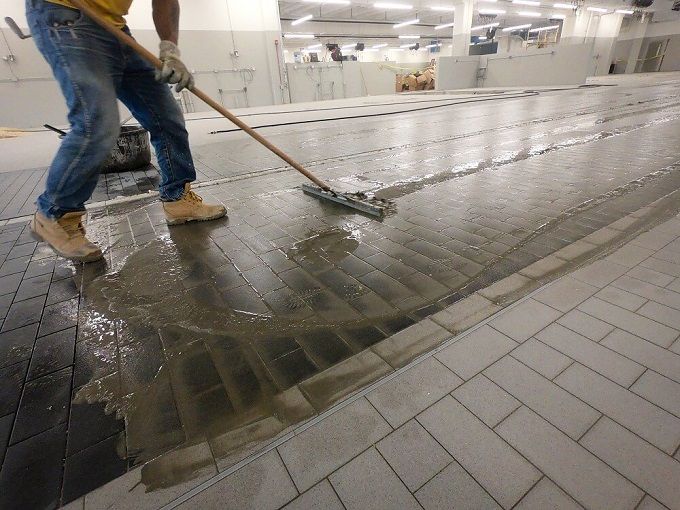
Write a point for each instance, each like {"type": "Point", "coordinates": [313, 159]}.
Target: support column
{"type": "Point", "coordinates": [605, 39]}
{"type": "Point", "coordinates": [462, 22]}
{"type": "Point", "coordinates": [638, 29]}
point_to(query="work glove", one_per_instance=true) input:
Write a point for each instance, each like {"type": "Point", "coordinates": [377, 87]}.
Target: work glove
{"type": "Point", "coordinates": [173, 70]}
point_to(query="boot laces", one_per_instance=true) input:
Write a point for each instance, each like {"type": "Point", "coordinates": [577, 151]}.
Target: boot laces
{"type": "Point", "coordinates": [73, 228]}
{"type": "Point", "coordinates": [192, 197]}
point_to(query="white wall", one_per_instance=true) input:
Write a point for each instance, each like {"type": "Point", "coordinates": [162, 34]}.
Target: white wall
{"type": "Point", "coordinates": [210, 31]}
{"type": "Point", "coordinates": [457, 73]}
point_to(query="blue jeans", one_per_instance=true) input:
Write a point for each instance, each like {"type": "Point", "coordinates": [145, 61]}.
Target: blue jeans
{"type": "Point", "coordinates": [93, 69]}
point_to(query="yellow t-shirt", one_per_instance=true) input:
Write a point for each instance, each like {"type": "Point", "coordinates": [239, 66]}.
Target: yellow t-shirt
{"type": "Point", "coordinates": [112, 10]}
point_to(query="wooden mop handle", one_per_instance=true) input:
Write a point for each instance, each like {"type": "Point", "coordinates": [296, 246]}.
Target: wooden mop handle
{"type": "Point", "coordinates": [156, 62]}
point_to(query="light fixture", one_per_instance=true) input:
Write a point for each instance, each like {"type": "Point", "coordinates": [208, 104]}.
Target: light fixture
{"type": "Point", "coordinates": [482, 27]}
{"type": "Point", "coordinates": [378, 46]}
{"type": "Point", "coordinates": [409, 37]}
{"type": "Point", "coordinates": [526, 2]}
{"type": "Point", "coordinates": [443, 9]}
{"type": "Point", "coordinates": [348, 46]}
{"type": "Point", "coordinates": [624, 11]}
{"type": "Point", "coordinates": [302, 20]}
{"type": "Point", "coordinates": [298, 36]}
{"type": "Point", "coordinates": [406, 23]}
{"type": "Point", "coordinates": [446, 25]}
{"type": "Point", "coordinates": [482, 38]}
{"type": "Point", "coordinates": [396, 49]}
{"type": "Point", "coordinates": [385, 5]}
{"type": "Point", "coordinates": [370, 49]}
{"type": "Point", "coordinates": [597, 9]}
{"type": "Point", "coordinates": [491, 11]}
{"type": "Point", "coordinates": [314, 46]}
{"type": "Point", "coordinates": [529, 14]}
{"type": "Point", "coordinates": [433, 45]}
{"type": "Point", "coordinates": [334, 2]}
{"type": "Point", "coordinates": [558, 16]}
{"type": "Point", "coordinates": [564, 6]}
{"type": "Point", "coordinates": [517, 27]}
{"type": "Point", "coordinates": [406, 45]}
{"type": "Point", "coordinates": [543, 29]}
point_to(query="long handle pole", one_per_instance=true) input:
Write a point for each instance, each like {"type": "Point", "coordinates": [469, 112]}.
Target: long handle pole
{"type": "Point", "coordinates": [156, 62]}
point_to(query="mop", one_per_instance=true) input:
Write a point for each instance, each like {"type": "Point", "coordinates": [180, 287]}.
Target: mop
{"type": "Point", "coordinates": [358, 201]}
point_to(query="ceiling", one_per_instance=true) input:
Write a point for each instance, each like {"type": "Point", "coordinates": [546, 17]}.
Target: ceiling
{"type": "Point", "coordinates": [364, 11]}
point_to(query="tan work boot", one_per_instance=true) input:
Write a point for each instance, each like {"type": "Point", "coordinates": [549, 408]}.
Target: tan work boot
{"type": "Point", "coordinates": [190, 207]}
{"type": "Point", "coordinates": [66, 236]}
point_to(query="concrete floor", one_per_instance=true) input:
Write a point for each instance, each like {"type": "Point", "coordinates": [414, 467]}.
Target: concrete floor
{"type": "Point", "coordinates": [192, 347]}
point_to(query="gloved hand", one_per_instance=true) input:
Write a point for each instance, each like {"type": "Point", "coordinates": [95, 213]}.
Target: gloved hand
{"type": "Point", "coordinates": [174, 70]}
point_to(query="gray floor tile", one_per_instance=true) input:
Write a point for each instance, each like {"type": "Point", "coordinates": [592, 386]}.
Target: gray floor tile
{"type": "Point", "coordinates": [655, 472]}
{"type": "Point", "coordinates": [565, 294]}
{"type": "Point", "coordinates": [653, 240]}
{"type": "Point", "coordinates": [401, 348]}
{"type": "Point", "coordinates": [629, 321]}
{"type": "Point", "coordinates": [586, 325]}
{"type": "Point", "coordinates": [661, 313]}
{"type": "Point", "coordinates": [465, 313]}
{"type": "Point", "coordinates": [649, 421]}
{"type": "Point", "coordinates": [410, 392]}
{"type": "Point", "coordinates": [650, 276]}
{"type": "Point", "coordinates": [320, 497]}
{"type": "Point", "coordinates": [547, 495]}
{"type": "Point", "coordinates": [620, 297]}
{"type": "Point", "coordinates": [505, 474]}
{"type": "Point", "coordinates": [367, 483]}
{"type": "Point", "coordinates": [413, 454]}
{"type": "Point", "coordinates": [475, 351]}
{"type": "Point", "coordinates": [591, 354]}
{"type": "Point", "coordinates": [488, 401]}
{"type": "Point", "coordinates": [646, 353]}
{"type": "Point", "coordinates": [659, 390]}
{"type": "Point", "coordinates": [662, 266]}
{"type": "Point", "coordinates": [525, 320]}
{"type": "Point", "coordinates": [630, 255]}
{"type": "Point", "coordinates": [318, 451]}
{"type": "Point", "coordinates": [647, 290]}
{"type": "Point", "coordinates": [583, 476]}
{"type": "Point", "coordinates": [544, 359]}
{"type": "Point", "coordinates": [649, 503]}
{"type": "Point", "coordinates": [455, 488]}
{"type": "Point", "coordinates": [563, 410]}
{"type": "Point", "coordinates": [600, 273]}
{"type": "Point", "coordinates": [675, 285]}
{"type": "Point", "coordinates": [261, 485]}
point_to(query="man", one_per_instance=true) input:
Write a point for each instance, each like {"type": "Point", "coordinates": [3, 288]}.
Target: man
{"type": "Point", "coordinates": [93, 69]}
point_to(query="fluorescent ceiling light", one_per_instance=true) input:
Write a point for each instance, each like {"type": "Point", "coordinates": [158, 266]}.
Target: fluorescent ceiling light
{"type": "Point", "coordinates": [529, 14]}
{"type": "Point", "coordinates": [624, 11]}
{"type": "Point", "coordinates": [298, 36]}
{"type": "Point", "coordinates": [384, 5]}
{"type": "Point", "coordinates": [377, 46]}
{"type": "Point", "coordinates": [314, 46]}
{"type": "Point", "coordinates": [302, 20]}
{"type": "Point", "coordinates": [370, 49]}
{"type": "Point", "coordinates": [526, 2]}
{"type": "Point", "coordinates": [406, 23]}
{"type": "Point", "coordinates": [443, 9]}
{"type": "Point", "coordinates": [406, 45]}
{"type": "Point", "coordinates": [348, 46]}
{"type": "Point", "coordinates": [597, 9]}
{"type": "Point", "coordinates": [439, 27]}
{"type": "Point", "coordinates": [557, 16]}
{"type": "Point", "coordinates": [517, 27]}
{"type": "Point", "coordinates": [335, 2]}
{"type": "Point", "coordinates": [564, 6]}
{"type": "Point", "coordinates": [409, 37]}
{"type": "Point", "coordinates": [396, 49]}
{"type": "Point", "coordinates": [482, 38]}
{"type": "Point", "coordinates": [491, 11]}
{"type": "Point", "coordinates": [482, 27]}
{"type": "Point", "coordinates": [543, 29]}
{"type": "Point", "coordinates": [433, 45]}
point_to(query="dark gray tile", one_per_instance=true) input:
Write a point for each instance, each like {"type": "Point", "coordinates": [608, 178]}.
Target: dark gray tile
{"type": "Point", "coordinates": [12, 378]}
{"type": "Point", "coordinates": [17, 345]}
{"type": "Point", "coordinates": [24, 313]}
{"type": "Point", "coordinates": [52, 352]}
{"type": "Point", "coordinates": [59, 316]}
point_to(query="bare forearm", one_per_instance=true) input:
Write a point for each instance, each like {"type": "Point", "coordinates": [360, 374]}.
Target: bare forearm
{"type": "Point", "coordinates": [166, 19]}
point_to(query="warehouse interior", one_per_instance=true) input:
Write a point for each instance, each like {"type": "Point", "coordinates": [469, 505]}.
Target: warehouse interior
{"type": "Point", "coordinates": [473, 304]}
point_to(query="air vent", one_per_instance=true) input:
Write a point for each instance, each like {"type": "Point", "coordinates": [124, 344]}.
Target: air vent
{"type": "Point", "coordinates": [642, 3]}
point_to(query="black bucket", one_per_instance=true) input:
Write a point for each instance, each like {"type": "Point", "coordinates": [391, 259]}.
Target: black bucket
{"type": "Point", "coordinates": [132, 151]}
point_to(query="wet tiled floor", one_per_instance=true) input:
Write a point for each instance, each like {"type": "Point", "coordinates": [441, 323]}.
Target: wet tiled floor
{"type": "Point", "coordinates": [214, 337]}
